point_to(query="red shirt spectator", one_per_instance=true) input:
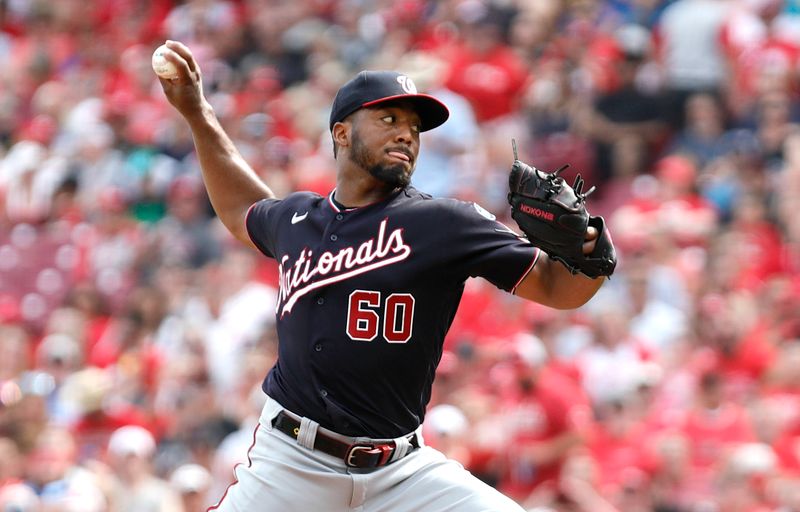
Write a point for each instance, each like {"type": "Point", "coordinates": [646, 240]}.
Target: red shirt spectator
{"type": "Point", "coordinates": [90, 390]}
{"type": "Point", "coordinates": [546, 414]}
{"type": "Point", "coordinates": [751, 357]}
{"type": "Point", "coordinates": [742, 346]}
{"type": "Point", "coordinates": [682, 212]}
{"type": "Point", "coordinates": [486, 72]}
{"type": "Point", "coordinates": [619, 446]}
{"type": "Point", "coordinates": [714, 426]}
{"type": "Point", "coordinates": [758, 243]}
{"type": "Point", "coordinates": [756, 54]}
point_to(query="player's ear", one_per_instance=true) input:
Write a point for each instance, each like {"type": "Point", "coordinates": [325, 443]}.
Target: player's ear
{"type": "Point", "coordinates": [341, 133]}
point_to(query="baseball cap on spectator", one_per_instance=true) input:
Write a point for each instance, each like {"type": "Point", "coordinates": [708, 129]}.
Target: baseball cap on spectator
{"type": "Point", "coordinates": [60, 349]}
{"type": "Point", "coordinates": [676, 169]}
{"type": "Point", "coordinates": [132, 440]}
{"type": "Point", "coordinates": [633, 41]}
{"type": "Point", "coordinates": [190, 478]}
{"type": "Point", "coordinates": [370, 88]}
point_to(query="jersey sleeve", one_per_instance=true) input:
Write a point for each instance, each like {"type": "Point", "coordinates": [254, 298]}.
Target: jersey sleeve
{"type": "Point", "coordinates": [260, 225]}
{"type": "Point", "coordinates": [482, 246]}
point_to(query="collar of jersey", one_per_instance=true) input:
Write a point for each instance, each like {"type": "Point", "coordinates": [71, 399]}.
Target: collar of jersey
{"type": "Point", "coordinates": [333, 204]}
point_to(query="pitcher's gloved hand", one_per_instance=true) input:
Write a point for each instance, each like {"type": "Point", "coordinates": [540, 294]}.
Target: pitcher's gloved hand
{"type": "Point", "coordinates": [553, 216]}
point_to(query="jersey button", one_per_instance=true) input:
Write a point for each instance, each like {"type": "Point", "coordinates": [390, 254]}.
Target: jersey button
{"type": "Point", "coordinates": [323, 392]}
{"type": "Point", "coordinates": [334, 237]}
{"type": "Point", "coordinates": [318, 347]}
{"type": "Point", "coordinates": [320, 301]}
{"type": "Point", "coordinates": [339, 216]}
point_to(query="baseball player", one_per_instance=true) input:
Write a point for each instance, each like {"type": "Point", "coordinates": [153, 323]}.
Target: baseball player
{"type": "Point", "coordinates": [370, 279]}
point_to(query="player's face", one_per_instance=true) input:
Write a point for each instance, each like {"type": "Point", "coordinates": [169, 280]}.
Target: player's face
{"type": "Point", "coordinates": [385, 142]}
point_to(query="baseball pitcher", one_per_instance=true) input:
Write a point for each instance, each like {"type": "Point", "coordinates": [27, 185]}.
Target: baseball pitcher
{"type": "Point", "coordinates": [371, 275]}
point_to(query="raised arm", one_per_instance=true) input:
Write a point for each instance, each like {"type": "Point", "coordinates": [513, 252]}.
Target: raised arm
{"type": "Point", "coordinates": [232, 185]}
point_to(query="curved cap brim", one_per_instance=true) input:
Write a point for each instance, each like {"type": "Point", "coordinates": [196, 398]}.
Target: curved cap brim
{"type": "Point", "coordinates": [432, 112]}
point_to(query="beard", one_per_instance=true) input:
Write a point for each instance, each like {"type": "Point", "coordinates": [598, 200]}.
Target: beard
{"type": "Point", "coordinates": [394, 175]}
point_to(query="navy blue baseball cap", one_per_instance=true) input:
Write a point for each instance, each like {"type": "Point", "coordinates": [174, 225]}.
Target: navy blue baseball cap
{"type": "Point", "coordinates": [370, 88]}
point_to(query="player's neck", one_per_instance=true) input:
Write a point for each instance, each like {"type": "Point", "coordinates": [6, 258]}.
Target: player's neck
{"type": "Point", "coordinates": [352, 193]}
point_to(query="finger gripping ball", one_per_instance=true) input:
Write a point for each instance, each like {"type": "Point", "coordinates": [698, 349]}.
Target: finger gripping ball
{"type": "Point", "coordinates": [163, 67]}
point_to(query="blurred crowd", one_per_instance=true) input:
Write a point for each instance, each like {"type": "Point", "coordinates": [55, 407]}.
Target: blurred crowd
{"type": "Point", "coordinates": [135, 331]}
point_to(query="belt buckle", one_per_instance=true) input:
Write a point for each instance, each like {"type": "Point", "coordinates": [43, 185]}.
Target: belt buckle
{"type": "Point", "coordinates": [385, 450]}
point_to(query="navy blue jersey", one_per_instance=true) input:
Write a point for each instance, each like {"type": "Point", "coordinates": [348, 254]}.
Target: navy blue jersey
{"type": "Point", "coordinates": [367, 296]}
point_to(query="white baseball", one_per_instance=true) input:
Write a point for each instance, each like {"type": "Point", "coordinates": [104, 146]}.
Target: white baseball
{"type": "Point", "coordinates": [163, 67]}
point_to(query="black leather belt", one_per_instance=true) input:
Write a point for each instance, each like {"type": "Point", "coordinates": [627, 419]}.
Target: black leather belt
{"type": "Point", "coordinates": [357, 455]}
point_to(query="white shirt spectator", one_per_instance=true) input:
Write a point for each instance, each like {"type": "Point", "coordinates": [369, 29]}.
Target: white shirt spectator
{"type": "Point", "coordinates": [690, 43]}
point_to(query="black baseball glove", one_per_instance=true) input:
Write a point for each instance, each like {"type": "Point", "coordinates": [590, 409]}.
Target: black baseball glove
{"type": "Point", "coordinates": [553, 216]}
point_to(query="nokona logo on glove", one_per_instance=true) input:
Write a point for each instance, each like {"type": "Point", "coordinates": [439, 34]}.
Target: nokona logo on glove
{"type": "Point", "coordinates": [553, 216]}
{"type": "Point", "coordinates": [536, 212]}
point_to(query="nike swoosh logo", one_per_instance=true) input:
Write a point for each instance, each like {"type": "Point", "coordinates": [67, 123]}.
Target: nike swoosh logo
{"type": "Point", "coordinates": [298, 218]}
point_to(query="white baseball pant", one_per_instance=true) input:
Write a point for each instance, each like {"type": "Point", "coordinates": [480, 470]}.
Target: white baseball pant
{"type": "Point", "coordinates": [281, 475]}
